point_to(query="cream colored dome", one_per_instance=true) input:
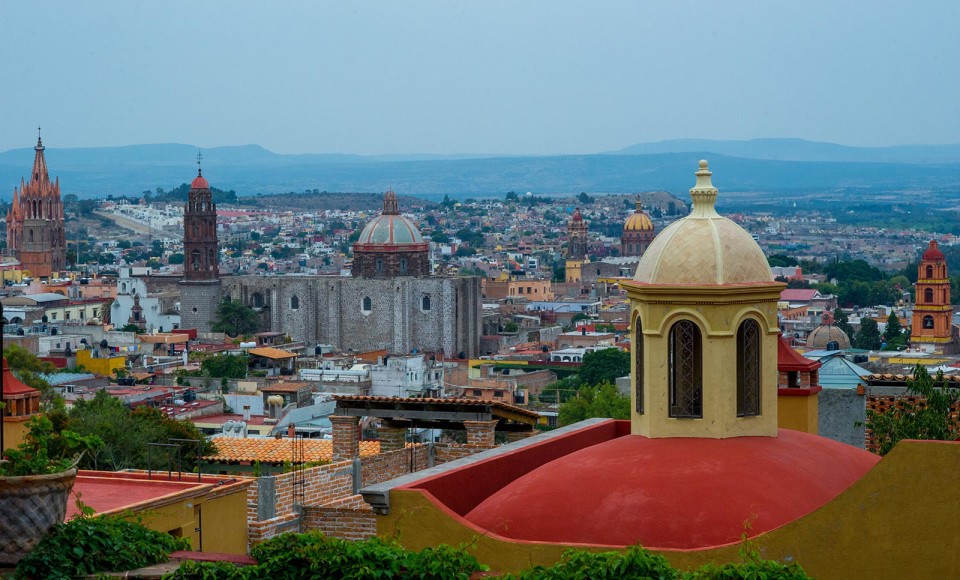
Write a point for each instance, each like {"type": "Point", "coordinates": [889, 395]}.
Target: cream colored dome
{"type": "Point", "coordinates": [703, 248]}
{"type": "Point", "coordinates": [824, 335]}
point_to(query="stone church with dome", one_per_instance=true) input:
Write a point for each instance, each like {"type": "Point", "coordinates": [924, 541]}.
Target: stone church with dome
{"type": "Point", "coordinates": [392, 301]}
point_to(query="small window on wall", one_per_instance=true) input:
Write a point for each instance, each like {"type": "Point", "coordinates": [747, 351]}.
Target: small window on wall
{"type": "Point", "coordinates": [403, 265]}
{"type": "Point", "coordinates": [367, 305]}
{"type": "Point", "coordinates": [425, 304]}
{"type": "Point", "coordinates": [379, 265]}
{"type": "Point", "coordinates": [294, 303]}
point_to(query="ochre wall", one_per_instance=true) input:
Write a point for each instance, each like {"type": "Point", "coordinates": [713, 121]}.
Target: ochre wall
{"type": "Point", "coordinates": [798, 409]}
{"type": "Point", "coordinates": [718, 313]}
{"type": "Point", "coordinates": [868, 531]}
{"type": "Point", "coordinates": [221, 513]}
{"type": "Point", "coordinates": [14, 430]}
{"type": "Point", "coordinates": [100, 366]}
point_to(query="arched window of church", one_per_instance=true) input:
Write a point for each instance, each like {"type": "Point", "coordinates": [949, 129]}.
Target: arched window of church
{"type": "Point", "coordinates": [294, 303]}
{"type": "Point", "coordinates": [928, 321]}
{"type": "Point", "coordinates": [196, 230]}
{"type": "Point", "coordinates": [195, 260]}
{"type": "Point", "coordinates": [637, 348]}
{"type": "Point", "coordinates": [211, 259]}
{"type": "Point", "coordinates": [686, 371]}
{"type": "Point", "coordinates": [403, 265]}
{"type": "Point", "coordinates": [425, 304]}
{"type": "Point", "coordinates": [31, 235]}
{"type": "Point", "coordinates": [928, 295]}
{"type": "Point", "coordinates": [929, 271]}
{"type": "Point", "coordinates": [379, 265]}
{"type": "Point", "coordinates": [748, 369]}
{"type": "Point", "coordinates": [367, 304]}
{"type": "Point", "coordinates": [257, 300]}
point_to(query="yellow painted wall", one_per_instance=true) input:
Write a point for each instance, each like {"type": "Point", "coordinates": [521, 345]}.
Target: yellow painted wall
{"type": "Point", "coordinates": [100, 366]}
{"type": "Point", "coordinates": [14, 430]}
{"type": "Point", "coordinates": [799, 412]}
{"type": "Point", "coordinates": [222, 517]}
{"type": "Point", "coordinates": [881, 527]}
{"type": "Point", "coordinates": [718, 313]}
{"type": "Point", "coordinates": [12, 276]}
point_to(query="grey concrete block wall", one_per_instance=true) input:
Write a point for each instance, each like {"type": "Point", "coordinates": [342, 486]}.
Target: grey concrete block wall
{"type": "Point", "coordinates": [198, 303]}
{"type": "Point", "coordinates": [840, 411]}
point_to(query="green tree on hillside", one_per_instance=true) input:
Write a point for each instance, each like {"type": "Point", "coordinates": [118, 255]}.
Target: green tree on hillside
{"type": "Point", "coordinates": [235, 318]}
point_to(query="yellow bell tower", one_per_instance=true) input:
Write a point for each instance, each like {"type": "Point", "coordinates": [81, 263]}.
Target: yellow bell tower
{"type": "Point", "coordinates": [704, 329]}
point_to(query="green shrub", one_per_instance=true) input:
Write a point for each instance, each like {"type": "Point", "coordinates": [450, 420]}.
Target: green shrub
{"type": "Point", "coordinates": [313, 555]}
{"type": "Point", "coordinates": [88, 545]}
{"type": "Point", "coordinates": [636, 562]}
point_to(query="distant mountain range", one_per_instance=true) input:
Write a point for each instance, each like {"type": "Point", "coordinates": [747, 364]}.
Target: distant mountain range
{"type": "Point", "coordinates": [776, 165]}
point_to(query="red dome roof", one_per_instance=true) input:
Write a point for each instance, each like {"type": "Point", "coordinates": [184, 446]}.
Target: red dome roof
{"type": "Point", "coordinates": [199, 182]}
{"type": "Point", "coordinates": [933, 253]}
{"type": "Point", "coordinates": [675, 492]}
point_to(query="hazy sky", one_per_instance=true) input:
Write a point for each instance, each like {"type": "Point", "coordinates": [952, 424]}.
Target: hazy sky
{"type": "Point", "coordinates": [476, 77]}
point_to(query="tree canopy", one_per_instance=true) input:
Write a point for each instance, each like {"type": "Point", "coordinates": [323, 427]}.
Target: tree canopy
{"type": "Point", "coordinates": [602, 400]}
{"type": "Point", "coordinates": [869, 336]}
{"type": "Point", "coordinates": [126, 433]}
{"type": "Point", "coordinates": [235, 318]}
{"type": "Point", "coordinates": [605, 365]}
{"type": "Point", "coordinates": [225, 366]}
{"type": "Point", "coordinates": [929, 419]}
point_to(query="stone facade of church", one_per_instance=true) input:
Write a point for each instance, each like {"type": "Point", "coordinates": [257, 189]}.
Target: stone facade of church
{"type": "Point", "coordinates": [402, 314]}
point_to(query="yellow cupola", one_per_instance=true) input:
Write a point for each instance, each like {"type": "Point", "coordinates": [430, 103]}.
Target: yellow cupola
{"type": "Point", "coordinates": [704, 329]}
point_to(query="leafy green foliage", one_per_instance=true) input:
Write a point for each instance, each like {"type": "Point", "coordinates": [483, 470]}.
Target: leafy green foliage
{"type": "Point", "coordinates": [88, 545]}
{"type": "Point", "coordinates": [929, 419]}
{"type": "Point", "coordinates": [869, 335]}
{"type": "Point", "coordinates": [226, 366]}
{"type": "Point", "coordinates": [636, 562]}
{"type": "Point", "coordinates": [235, 318]}
{"type": "Point", "coordinates": [639, 563]}
{"type": "Point", "coordinates": [125, 433]}
{"type": "Point", "coordinates": [313, 555]}
{"type": "Point", "coordinates": [603, 400]}
{"type": "Point", "coordinates": [45, 450]}
{"type": "Point", "coordinates": [605, 365]}
{"type": "Point", "coordinates": [28, 368]}
{"type": "Point", "coordinates": [841, 321]}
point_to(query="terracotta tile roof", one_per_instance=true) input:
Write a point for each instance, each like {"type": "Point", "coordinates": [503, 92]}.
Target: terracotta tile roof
{"type": "Point", "coordinates": [434, 401]}
{"type": "Point", "coordinates": [269, 450]}
{"type": "Point", "coordinates": [270, 352]}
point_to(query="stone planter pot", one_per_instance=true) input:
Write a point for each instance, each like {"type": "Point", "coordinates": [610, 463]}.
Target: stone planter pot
{"type": "Point", "coordinates": [29, 506]}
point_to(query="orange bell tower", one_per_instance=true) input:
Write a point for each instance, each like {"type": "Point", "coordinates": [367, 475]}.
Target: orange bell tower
{"type": "Point", "coordinates": [930, 329]}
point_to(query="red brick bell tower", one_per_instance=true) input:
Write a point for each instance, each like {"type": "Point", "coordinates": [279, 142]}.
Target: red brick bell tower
{"type": "Point", "coordinates": [930, 328]}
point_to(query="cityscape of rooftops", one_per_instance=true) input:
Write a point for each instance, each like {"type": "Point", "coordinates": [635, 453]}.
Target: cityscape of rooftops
{"type": "Point", "coordinates": [544, 290]}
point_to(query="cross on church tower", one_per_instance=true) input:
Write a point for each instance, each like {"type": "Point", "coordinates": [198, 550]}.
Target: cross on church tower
{"type": "Point", "coordinates": [199, 159]}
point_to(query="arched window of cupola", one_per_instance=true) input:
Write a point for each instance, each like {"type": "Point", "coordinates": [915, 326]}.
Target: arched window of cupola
{"type": "Point", "coordinates": [403, 265]}
{"type": "Point", "coordinates": [748, 369]}
{"type": "Point", "coordinates": [928, 296]}
{"type": "Point", "coordinates": [637, 348]}
{"type": "Point", "coordinates": [929, 271]}
{"type": "Point", "coordinates": [686, 371]}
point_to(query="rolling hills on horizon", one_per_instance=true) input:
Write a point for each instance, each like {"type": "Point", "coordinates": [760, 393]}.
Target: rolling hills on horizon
{"type": "Point", "coordinates": [777, 165]}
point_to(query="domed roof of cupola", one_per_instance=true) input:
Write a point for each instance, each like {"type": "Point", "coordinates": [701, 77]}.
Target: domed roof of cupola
{"type": "Point", "coordinates": [199, 182]}
{"type": "Point", "coordinates": [638, 221]}
{"type": "Point", "coordinates": [933, 253]}
{"type": "Point", "coordinates": [390, 228]}
{"type": "Point", "coordinates": [703, 248]}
